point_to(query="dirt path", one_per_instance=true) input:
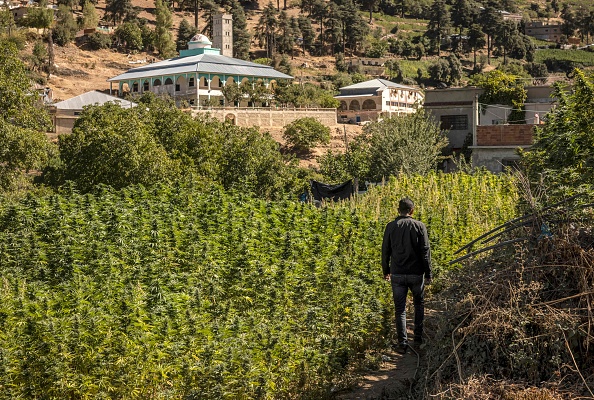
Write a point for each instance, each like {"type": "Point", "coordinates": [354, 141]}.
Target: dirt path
{"type": "Point", "coordinates": [392, 381]}
{"type": "Point", "coordinates": [395, 375]}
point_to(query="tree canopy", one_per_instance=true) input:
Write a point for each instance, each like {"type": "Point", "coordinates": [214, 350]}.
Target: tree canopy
{"type": "Point", "coordinates": [562, 156]}
{"type": "Point", "coordinates": [157, 142]}
{"type": "Point", "coordinates": [410, 144]}
{"type": "Point", "coordinates": [23, 122]}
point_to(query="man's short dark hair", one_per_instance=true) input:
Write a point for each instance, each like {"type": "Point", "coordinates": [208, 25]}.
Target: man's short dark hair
{"type": "Point", "coordinates": [405, 206]}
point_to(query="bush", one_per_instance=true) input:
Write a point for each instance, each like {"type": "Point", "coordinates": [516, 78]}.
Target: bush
{"type": "Point", "coordinates": [62, 35]}
{"type": "Point", "coordinates": [263, 61]}
{"type": "Point", "coordinates": [99, 41]}
{"type": "Point", "coordinates": [305, 133]}
{"type": "Point", "coordinates": [129, 36]}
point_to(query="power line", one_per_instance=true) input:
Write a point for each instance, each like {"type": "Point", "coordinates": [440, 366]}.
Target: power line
{"type": "Point", "coordinates": [509, 108]}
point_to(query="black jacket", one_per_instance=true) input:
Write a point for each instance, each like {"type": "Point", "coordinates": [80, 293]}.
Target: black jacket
{"type": "Point", "coordinates": [405, 249]}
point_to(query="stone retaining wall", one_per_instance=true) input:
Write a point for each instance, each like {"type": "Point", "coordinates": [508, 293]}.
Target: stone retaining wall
{"type": "Point", "coordinates": [269, 117]}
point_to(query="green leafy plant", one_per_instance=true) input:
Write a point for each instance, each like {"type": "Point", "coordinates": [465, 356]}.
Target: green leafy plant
{"type": "Point", "coordinates": [305, 133]}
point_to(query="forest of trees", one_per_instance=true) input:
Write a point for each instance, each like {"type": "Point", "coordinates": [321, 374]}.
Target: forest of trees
{"type": "Point", "coordinates": [321, 27]}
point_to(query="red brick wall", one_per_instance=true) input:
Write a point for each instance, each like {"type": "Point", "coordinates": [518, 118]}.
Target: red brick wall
{"type": "Point", "coordinates": [504, 135]}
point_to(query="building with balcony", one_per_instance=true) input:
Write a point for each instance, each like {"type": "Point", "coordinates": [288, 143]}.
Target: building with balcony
{"type": "Point", "coordinates": [371, 100]}
{"type": "Point", "coordinates": [197, 76]}
{"type": "Point", "coordinates": [543, 31]}
{"type": "Point", "coordinates": [486, 128]}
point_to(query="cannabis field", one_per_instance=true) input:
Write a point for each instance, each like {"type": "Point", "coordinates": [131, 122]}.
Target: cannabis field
{"type": "Point", "coordinates": [194, 293]}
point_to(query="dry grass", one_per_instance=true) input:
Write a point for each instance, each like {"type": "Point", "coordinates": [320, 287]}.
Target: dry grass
{"type": "Point", "coordinates": [518, 324]}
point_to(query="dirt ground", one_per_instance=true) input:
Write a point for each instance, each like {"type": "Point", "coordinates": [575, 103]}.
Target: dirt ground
{"type": "Point", "coordinates": [395, 375]}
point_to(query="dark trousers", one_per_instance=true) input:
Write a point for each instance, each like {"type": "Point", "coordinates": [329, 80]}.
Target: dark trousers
{"type": "Point", "coordinates": [400, 286]}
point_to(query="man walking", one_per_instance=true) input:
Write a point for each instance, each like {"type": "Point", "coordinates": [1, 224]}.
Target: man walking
{"type": "Point", "coordinates": [406, 263]}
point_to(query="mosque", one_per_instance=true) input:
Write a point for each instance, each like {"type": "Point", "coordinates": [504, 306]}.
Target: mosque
{"type": "Point", "coordinates": [199, 74]}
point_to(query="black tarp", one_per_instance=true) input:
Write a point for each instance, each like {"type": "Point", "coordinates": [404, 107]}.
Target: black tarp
{"type": "Point", "coordinates": [322, 191]}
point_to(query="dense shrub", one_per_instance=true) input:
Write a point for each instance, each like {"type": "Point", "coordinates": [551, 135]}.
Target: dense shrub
{"type": "Point", "coordinates": [158, 142]}
{"type": "Point", "coordinates": [99, 40]}
{"type": "Point", "coordinates": [305, 133]}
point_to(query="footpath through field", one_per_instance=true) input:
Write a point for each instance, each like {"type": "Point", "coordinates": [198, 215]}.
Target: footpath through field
{"type": "Point", "coordinates": [397, 372]}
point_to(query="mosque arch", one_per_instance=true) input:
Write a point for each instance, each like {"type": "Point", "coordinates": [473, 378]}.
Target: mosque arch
{"type": "Point", "coordinates": [369, 105]}
{"type": "Point", "coordinates": [169, 81]}
{"type": "Point", "coordinates": [355, 106]}
{"type": "Point", "coordinates": [181, 84]}
{"type": "Point", "coordinates": [125, 88]}
{"type": "Point", "coordinates": [215, 82]}
{"type": "Point", "coordinates": [230, 118]}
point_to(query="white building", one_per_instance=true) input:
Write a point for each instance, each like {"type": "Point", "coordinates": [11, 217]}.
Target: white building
{"type": "Point", "coordinates": [197, 76]}
{"type": "Point", "coordinates": [370, 100]}
{"type": "Point", "coordinates": [66, 112]}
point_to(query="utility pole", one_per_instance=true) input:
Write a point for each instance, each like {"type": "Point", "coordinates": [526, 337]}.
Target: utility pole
{"type": "Point", "coordinates": [475, 118]}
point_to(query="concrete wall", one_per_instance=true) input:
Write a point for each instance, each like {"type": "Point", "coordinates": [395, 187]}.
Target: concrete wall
{"type": "Point", "coordinates": [493, 158]}
{"type": "Point", "coordinates": [63, 121]}
{"type": "Point", "coordinates": [498, 144]}
{"type": "Point", "coordinates": [269, 117]}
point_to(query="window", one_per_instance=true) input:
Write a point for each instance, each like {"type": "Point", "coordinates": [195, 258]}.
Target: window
{"type": "Point", "coordinates": [191, 82]}
{"type": "Point", "coordinates": [177, 87]}
{"type": "Point", "coordinates": [145, 86]}
{"type": "Point", "coordinates": [454, 122]}
{"type": "Point", "coordinates": [135, 87]}
{"type": "Point", "coordinates": [168, 81]}
{"type": "Point", "coordinates": [157, 82]}
{"type": "Point", "coordinates": [77, 113]}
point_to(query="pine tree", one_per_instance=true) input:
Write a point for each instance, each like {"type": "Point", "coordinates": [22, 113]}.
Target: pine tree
{"type": "Point", "coordinates": [241, 36]}
{"type": "Point", "coordinates": [267, 29]}
{"type": "Point", "coordinates": [185, 33]}
{"type": "Point", "coordinates": [439, 23]}
{"type": "Point", "coordinates": [319, 11]}
{"type": "Point", "coordinates": [476, 40]}
{"type": "Point", "coordinates": [355, 28]}
{"type": "Point", "coordinates": [117, 10]}
{"type": "Point", "coordinates": [90, 19]}
{"type": "Point", "coordinates": [334, 28]}
{"type": "Point", "coordinates": [307, 33]}
{"type": "Point", "coordinates": [209, 10]}
{"type": "Point", "coordinates": [462, 15]}
{"type": "Point", "coordinates": [163, 26]}
{"type": "Point", "coordinates": [7, 19]}
{"type": "Point", "coordinates": [66, 26]}
{"type": "Point", "coordinates": [491, 19]}
{"type": "Point", "coordinates": [286, 37]}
